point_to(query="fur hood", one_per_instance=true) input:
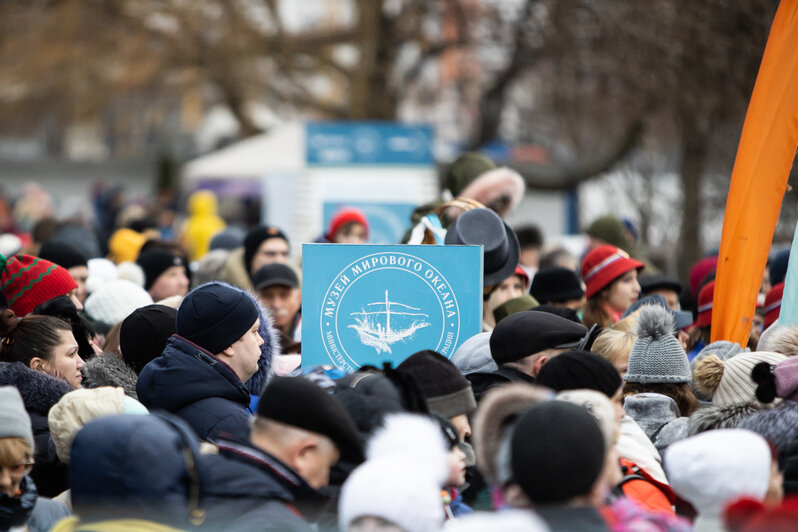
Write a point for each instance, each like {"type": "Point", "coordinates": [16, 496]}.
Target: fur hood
{"type": "Point", "coordinates": [496, 413]}
{"type": "Point", "coordinates": [109, 370]}
{"type": "Point", "coordinates": [713, 417]}
{"type": "Point", "coordinates": [500, 189]}
{"type": "Point", "coordinates": [270, 348]}
{"type": "Point", "coordinates": [39, 391]}
{"type": "Point", "coordinates": [235, 272]}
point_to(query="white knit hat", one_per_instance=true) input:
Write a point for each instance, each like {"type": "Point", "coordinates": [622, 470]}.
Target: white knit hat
{"type": "Point", "coordinates": [714, 468]}
{"type": "Point", "coordinates": [401, 479]}
{"type": "Point", "coordinates": [729, 381]}
{"type": "Point", "coordinates": [114, 301]}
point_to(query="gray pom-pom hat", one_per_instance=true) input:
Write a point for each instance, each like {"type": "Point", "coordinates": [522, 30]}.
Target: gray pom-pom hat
{"type": "Point", "coordinates": [657, 356]}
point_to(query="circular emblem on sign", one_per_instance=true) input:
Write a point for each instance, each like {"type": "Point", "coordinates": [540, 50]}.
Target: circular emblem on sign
{"type": "Point", "coordinates": [387, 306]}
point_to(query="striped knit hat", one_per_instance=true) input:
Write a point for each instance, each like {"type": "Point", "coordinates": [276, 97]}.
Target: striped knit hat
{"type": "Point", "coordinates": [705, 305]}
{"type": "Point", "coordinates": [28, 281]}
{"type": "Point", "coordinates": [773, 305]}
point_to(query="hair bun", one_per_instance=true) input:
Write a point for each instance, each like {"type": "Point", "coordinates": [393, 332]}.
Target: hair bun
{"type": "Point", "coordinates": [762, 374]}
{"type": "Point", "coordinates": [708, 373]}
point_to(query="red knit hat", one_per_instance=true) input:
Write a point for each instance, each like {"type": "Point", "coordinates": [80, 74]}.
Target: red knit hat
{"type": "Point", "coordinates": [705, 305]}
{"type": "Point", "coordinates": [28, 281]}
{"type": "Point", "coordinates": [344, 216]}
{"type": "Point", "coordinates": [520, 272]}
{"type": "Point", "coordinates": [603, 265]}
{"type": "Point", "coordinates": [773, 305]}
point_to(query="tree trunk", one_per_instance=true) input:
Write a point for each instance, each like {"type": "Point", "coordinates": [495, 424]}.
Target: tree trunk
{"type": "Point", "coordinates": [694, 151]}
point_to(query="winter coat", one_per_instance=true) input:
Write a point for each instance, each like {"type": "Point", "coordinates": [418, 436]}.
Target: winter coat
{"type": "Point", "coordinates": [235, 271]}
{"type": "Point", "coordinates": [249, 489]}
{"type": "Point", "coordinates": [634, 445]}
{"type": "Point", "coordinates": [193, 384]}
{"type": "Point", "coordinates": [39, 393]}
{"type": "Point", "coordinates": [28, 509]}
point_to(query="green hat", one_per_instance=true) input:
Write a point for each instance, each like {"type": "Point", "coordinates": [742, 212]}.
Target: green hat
{"type": "Point", "coordinates": [525, 302]}
{"type": "Point", "coordinates": [610, 230]}
{"type": "Point", "coordinates": [466, 169]}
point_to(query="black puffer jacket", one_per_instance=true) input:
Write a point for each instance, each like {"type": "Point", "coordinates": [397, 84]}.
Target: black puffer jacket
{"type": "Point", "coordinates": [39, 392]}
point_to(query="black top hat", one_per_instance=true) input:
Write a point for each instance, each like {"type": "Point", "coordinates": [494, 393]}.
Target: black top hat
{"type": "Point", "coordinates": [500, 245]}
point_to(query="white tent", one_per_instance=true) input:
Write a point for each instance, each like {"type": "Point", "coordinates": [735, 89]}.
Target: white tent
{"type": "Point", "coordinates": [279, 150]}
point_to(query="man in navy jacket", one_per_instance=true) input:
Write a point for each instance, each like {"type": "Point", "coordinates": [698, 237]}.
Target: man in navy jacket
{"type": "Point", "coordinates": [202, 372]}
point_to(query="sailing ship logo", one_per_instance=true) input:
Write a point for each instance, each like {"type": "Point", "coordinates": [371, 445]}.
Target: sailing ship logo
{"type": "Point", "coordinates": [371, 331]}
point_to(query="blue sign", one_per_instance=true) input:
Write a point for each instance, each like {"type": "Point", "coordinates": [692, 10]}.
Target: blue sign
{"type": "Point", "coordinates": [368, 143]}
{"type": "Point", "coordinates": [388, 222]}
{"type": "Point", "coordinates": [365, 304]}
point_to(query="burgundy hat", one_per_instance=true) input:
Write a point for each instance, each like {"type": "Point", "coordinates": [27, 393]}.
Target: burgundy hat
{"type": "Point", "coordinates": [603, 265]}
{"type": "Point", "coordinates": [773, 305]}
{"type": "Point", "coordinates": [705, 305]}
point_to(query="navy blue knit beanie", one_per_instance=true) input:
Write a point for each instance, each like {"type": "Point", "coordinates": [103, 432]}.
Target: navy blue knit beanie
{"type": "Point", "coordinates": [215, 315]}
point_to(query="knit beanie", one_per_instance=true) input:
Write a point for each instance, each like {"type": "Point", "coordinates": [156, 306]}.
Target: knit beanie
{"type": "Point", "coordinates": [465, 169]}
{"type": "Point", "coordinates": [557, 452]}
{"type": "Point", "coordinates": [345, 216]}
{"type": "Point", "coordinates": [144, 333]}
{"type": "Point", "coordinates": [156, 260]}
{"type": "Point", "coordinates": [62, 254]}
{"type": "Point", "coordinates": [215, 315]}
{"type": "Point", "coordinates": [113, 302]}
{"type": "Point", "coordinates": [723, 349]}
{"type": "Point", "coordinates": [715, 468]}
{"type": "Point", "coordinates": [124, 245]}
{"type": "Point", "coordinates": [773, 305]}
{"type": "Point", "coordinates": [255, 238]}
{"type": "Point", "coordinates": [511, 306]}
{"type": "Point", "coordinates": [402, 478]}
{"type": "Point", "coordinates": [657, 356]}
{"type": "Point", "coordinates": [555, 285]}
{"type": "Point", "coordinates": [448, 393]}
{"type": "Point", "coordinates": [14, 419]}
{"type": "Point", "coordinates": [610, 230]}
{"type": "Point", "coordinates": [729, 381]}
{"type": "Point", "coordinates": [575, 370]}
{"type": "Point", "coordinates": [705, 297]}
{"type": "Point", "coordinates": [29, 281]}
{"type": "Point", "coordinates": [473, 355]}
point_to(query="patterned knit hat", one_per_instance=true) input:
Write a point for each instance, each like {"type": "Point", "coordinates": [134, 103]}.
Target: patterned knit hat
{"type": "Point", "coordinates": [29, 281]}
{"type": "Point", "coordinates": [657, 356]}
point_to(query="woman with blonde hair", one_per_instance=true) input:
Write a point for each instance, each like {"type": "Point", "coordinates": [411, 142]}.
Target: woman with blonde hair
{"type": "Point", "coordinates": [616, 342]}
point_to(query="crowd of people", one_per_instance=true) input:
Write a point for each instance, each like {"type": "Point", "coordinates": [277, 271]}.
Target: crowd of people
{"type": "Point", "coordinates": [151, 378]}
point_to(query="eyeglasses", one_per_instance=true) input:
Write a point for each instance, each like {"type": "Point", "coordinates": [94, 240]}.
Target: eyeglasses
{"type": "Point", "coordinates": [20, 470]}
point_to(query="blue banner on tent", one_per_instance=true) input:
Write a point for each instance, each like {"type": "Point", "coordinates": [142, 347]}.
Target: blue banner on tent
{"type": "Point", "coordinates": [368, 143]}
{"type": "Point", "coordinates": [367, 304]}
